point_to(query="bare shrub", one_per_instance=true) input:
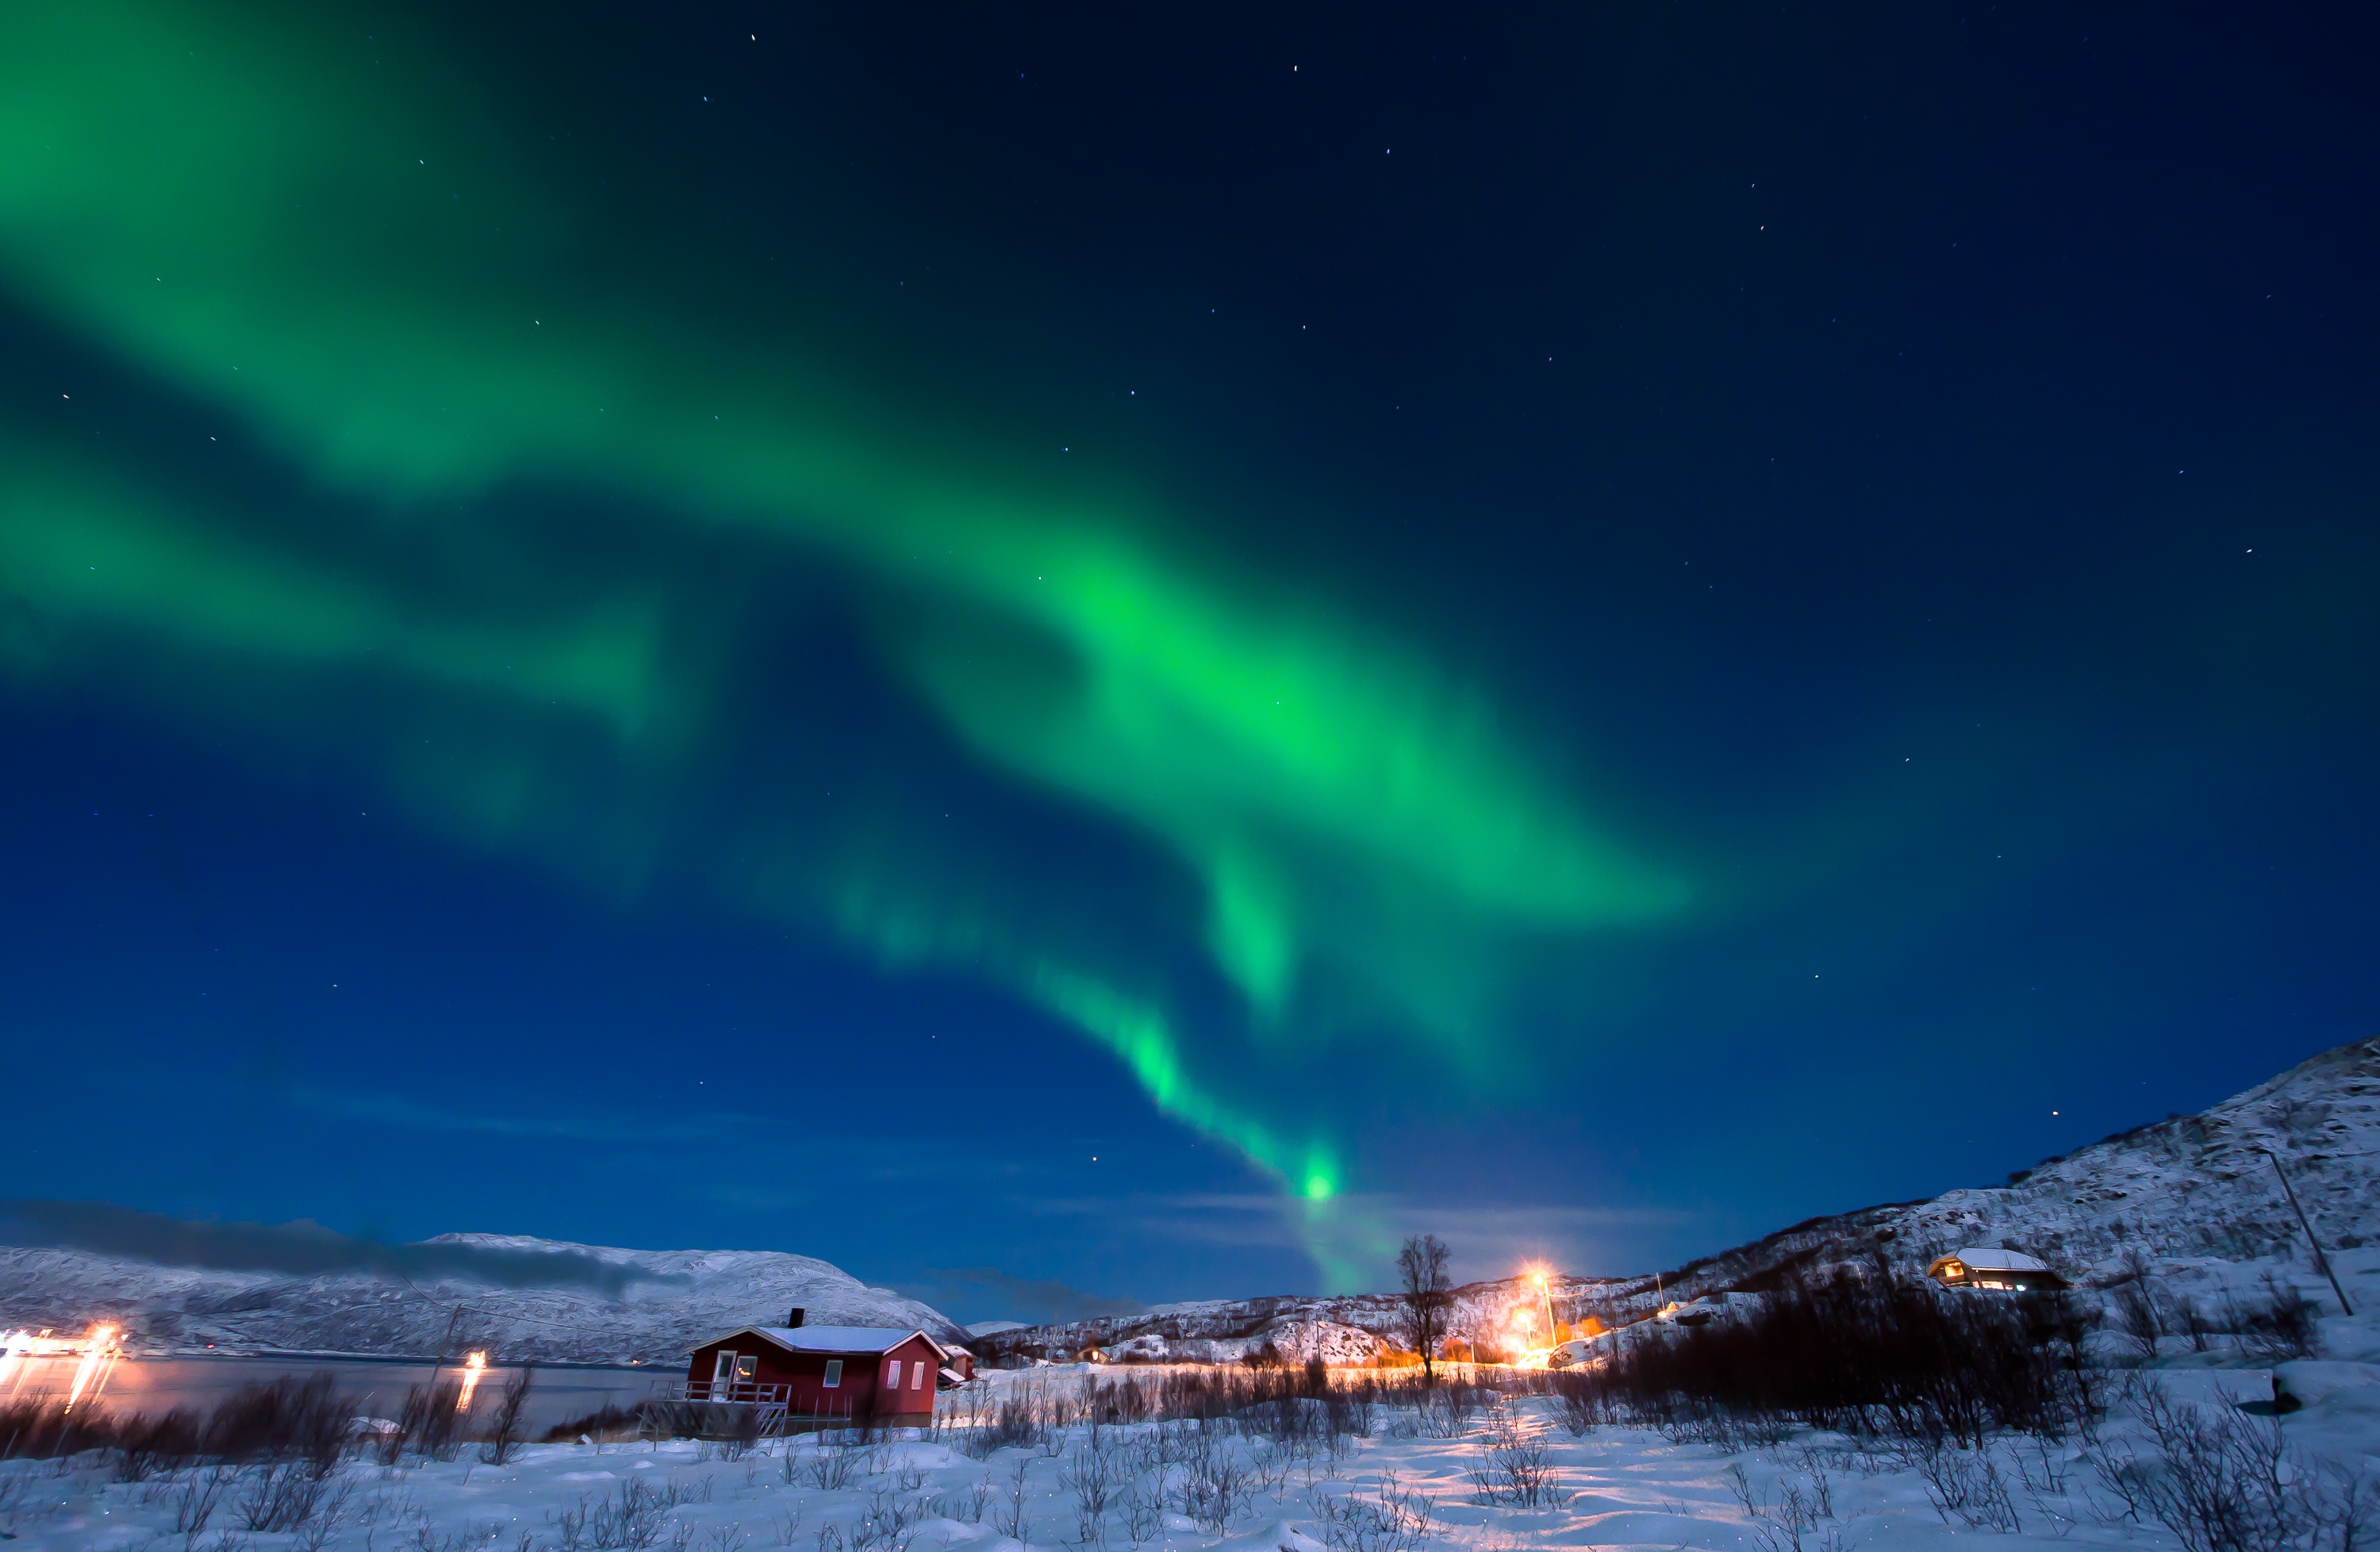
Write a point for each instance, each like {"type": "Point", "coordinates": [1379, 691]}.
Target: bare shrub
{"type": "Point", "coordinates": [2136, 1301]}
{"type": "Point", "coordinates": [1008, 1516]}
{"type": "Point", "coordinates": [1512, 1468]}
{"type": "Point", "coordinates": [284, 1495]}
{"type": "Point", "coordinates": [1089, 1474]}
{"type": "Point", "coordinates": [1020, 1421]}
{"type": "Point", "coordinates": [2192, 1322]}
{"type": "Point", "coordinates": [1586, 1403]}
{"type": "Point", "coordinates": [1363, 1404]}
{"type": "Point", "coordinates": [44, 1429]}
{"type": "Point", "coordinates": [148, 1445]}
{"type": "Point", "coordinates": [196, 1503]}
{"type": "Point", "coordinates": [1216, 1486]}
{"type": "Point", "coordinates": [506, 1429]}
{"type": "Point", "coordinates": [629, 1520]}
{"type": "Point", "coordinates": [1392, 1520]}
{"type": "Point", "coordinates": [1966, 1484]}
{"type": "Point", "coordinates": [2280, 1325]}
{"type": "Point", "coordinates": [282, 1419]}
{"type": "Point", "coordinates": [285, 1419]}
{"type": "Point", "coordinates": [2222, 1481]}
{"type": "Point", "coordinates": [887, 1522]}
{"type": "Point", "coordinates": [967, 1508]}
{"type": "Point", "coordinates": [825, 1469]}
{"type": "Point", "coordinates": [1788, 1523]}
{"type": "Point", "coordinates": [431, 1423]}
{"type": "Point", "coordinates": [1445, 1413]}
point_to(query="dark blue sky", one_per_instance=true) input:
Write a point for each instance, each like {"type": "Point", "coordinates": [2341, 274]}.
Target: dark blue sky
{"type": "Point", "coordinates": [1891, 490]}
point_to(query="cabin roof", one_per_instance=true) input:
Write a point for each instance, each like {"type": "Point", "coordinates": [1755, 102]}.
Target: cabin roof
{"type": "Point", "coordinates": [1993, 1258]}
{"type": "Point", "coordinates": [845, 1339]}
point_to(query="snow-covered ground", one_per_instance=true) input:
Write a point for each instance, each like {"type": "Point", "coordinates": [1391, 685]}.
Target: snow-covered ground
{"type": "Point", "coordinates": [1399, 1488]}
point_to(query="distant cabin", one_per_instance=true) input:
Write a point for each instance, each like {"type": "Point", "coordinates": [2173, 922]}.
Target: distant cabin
{"type": "Point", "coordinates": [1999, 1270]}
{"type": "Point", "coordinates": [828, 1374]}
{"type": "Point", "coordinates": [1707, 1309]}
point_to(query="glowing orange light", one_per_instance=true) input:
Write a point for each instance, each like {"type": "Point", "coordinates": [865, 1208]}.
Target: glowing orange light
{"type": "Point", "coordinates": [473, 1367]}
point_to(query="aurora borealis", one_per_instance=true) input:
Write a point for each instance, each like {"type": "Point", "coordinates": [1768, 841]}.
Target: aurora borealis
{"type": "Point", "coordinates": [470, 423]}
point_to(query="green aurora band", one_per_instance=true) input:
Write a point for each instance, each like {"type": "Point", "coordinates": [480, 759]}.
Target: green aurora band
{"type": "Point", "coordinates": [231, 203]}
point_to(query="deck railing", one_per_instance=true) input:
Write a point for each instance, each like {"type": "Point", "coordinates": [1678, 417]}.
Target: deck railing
{"type": "Point", "coordinates": [742, 1392]}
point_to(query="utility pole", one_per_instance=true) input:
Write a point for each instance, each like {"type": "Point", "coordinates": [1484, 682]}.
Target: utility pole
{"type": "Point", "coordinates": [2319, 1258]}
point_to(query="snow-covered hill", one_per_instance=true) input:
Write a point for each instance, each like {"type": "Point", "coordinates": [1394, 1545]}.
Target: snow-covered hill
{"type": "Point", "coordinates": [660, 1303]}
{"type": "Point", "coordinates": [2197, 1196]}
{"type": "Point", "coordinates": [2188, 1189]}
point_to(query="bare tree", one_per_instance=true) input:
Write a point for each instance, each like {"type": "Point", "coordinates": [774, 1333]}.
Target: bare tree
{"type": "Point", "coordinates": [1429, 1297]}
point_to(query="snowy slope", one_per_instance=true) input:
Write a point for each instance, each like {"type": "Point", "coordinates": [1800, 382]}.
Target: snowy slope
{"type": "Point", "coordinates": [2192, 1193]}
{"type": "Point", "coordinates": [669, 1301]}
{"type": "Point", "coordinates": [2188, 1189]}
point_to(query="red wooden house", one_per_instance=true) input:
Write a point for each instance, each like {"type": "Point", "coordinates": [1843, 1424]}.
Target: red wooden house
{"type": "Point", "coordinates": [855, 1374]}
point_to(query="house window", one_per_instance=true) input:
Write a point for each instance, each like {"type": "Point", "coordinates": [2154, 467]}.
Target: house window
{"type": "Point", "coordinates": [895, 1384]}
{"type": "Point", "coordinates": [833, 1373]}
{"type": "Point", "coordinates": [748, 1367]}
{"type": "Point", "coordinates": [917, 1375]}
{"type": "Point", "coordinates": [723, 1371]}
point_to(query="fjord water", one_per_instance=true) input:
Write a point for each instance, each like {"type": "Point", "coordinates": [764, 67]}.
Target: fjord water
{"type": "Point", "coordinates": [377, 1385]}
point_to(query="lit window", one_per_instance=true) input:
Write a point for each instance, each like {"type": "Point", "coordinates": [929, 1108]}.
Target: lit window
{"type": "Point", "coordinates": [894, 1383]}
{"type": "Point", "coordinates": [748, 1367]}
{"type": "Point", "coordinates": [833, 1373]}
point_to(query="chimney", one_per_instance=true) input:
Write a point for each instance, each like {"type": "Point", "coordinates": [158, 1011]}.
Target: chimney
{"type": "Point", "coordinates": [793, 1319]}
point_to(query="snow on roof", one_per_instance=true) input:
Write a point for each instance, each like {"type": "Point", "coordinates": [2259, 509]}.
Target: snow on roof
{"type": "Point", "coordinates": [1992, 1258]}
{"type": "Point", "coordinates": [829, 1339]}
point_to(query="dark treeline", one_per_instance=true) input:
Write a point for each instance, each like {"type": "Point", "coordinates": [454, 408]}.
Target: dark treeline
{"type": "Point", "coordinates": [1860, 1355]}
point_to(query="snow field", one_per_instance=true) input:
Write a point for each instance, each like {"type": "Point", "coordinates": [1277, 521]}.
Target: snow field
{"type": "Point", "coordinates": [1509, 1475]}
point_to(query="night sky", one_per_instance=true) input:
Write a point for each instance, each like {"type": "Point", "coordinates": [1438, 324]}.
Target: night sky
{"type": "Point", "coordinates": [1070, 654]}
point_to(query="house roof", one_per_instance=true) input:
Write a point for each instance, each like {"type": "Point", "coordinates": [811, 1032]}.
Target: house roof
{"type": "Point", "coordinates": [1992, 1258]}
{"type": "Point", "coordinates": [852, 1340]}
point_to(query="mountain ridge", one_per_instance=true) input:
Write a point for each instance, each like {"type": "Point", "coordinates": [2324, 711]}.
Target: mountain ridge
{"type": "Point", "coordinates": [2196, 1192]}
{"type": "Point", "coordinates": [670, 1302]}
{"type": "Point", "coordinates": [2190, 1189]}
